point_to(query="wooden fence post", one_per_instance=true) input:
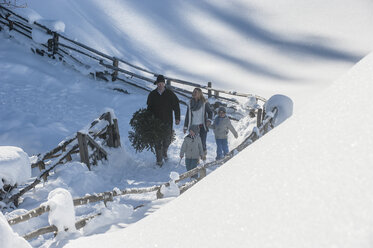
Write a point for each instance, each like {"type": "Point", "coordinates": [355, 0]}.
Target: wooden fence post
{"type": "Point", "coordinates": [83, 149]}
{"type": "Point", "coordinates": [209, 94]}
{"type": "Point", "coordinates": [202, 173]}
{"type": "Point", "coordinates": [55, 42]}
{"type": "Point", "coordinates": [159, 194]}
{"type": "Point", "coordinates": [116, 136]}
{"type": "Point", "coordinates": [113, 132]}
{"type": "Point", "coordinates": [114, 75]}
{"type": "Point", "coordinates": [10, 23]}
{"type": "Point", "coordinates": [259, 118]}
{"type": "Point", "coordinates": [216, 94]}
{"type": "Point", "coordinates": [168, 83]}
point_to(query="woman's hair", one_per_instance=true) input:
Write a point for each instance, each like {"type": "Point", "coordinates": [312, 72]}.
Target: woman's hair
{"type": "Point", "coordinates": [200, 94]}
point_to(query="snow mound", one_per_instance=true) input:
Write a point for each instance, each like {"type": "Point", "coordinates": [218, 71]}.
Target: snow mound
{"type": "Point", "coordinates": [14, 166]}
{"type": "Point", "coordinates": [62, 212]}
{"type": "Point", "coordinates": [284, 107]}
{"type": "Point", "coordinates": [8, 238]}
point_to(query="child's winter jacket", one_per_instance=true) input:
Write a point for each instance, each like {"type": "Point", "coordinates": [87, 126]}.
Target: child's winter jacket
{"type": "Point", "coordinates": [221, 127]}
{"type": "Point", "coordinates": [192, 147]}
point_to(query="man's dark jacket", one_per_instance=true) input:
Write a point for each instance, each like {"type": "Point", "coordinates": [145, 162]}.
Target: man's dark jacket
{"type": "Point", "coordinates": [163, 105]}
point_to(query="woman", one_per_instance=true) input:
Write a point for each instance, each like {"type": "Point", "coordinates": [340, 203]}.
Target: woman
{"type": "Point", "coordinates": [198, 113]}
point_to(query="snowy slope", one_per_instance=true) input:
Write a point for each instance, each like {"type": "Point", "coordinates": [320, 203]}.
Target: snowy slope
{"type": "Point", "coordinates": [309, 44]}
{"type": "Point", "coordinates": [308, 183]}
{"type": "Point", "coordinates": [306, 178]}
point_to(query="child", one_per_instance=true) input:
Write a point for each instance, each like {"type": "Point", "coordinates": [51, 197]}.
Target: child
{"type": "Point", "coordinates": [192, 148]}
{"type": "Point", "coordinates": [221, 127]}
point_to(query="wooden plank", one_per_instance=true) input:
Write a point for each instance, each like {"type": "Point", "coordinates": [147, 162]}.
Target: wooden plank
{"type": "Point", "coordinates": [40, 231]}
{"type": "Point", "coordinates": [259, 117]}
{"type": "Point", "coordinates": [93, 144]}
{"type": "Point", "coordinates": [101, 196]}
{"type": "Point", "coordinates": [116, 134]}
{"type": "Point", "coordinates": [127, 72]}
{"type": "Point", "coordinates": [30, 214]}
{"type": "Point", "coordinates": [209, 93]}
{"type": "Point", "coordinates": [114, 75]}
{"type": "Point", "coordinates": [48, 229]}
{"type": "Point", "coordinates": [202, 173]}
{"type": "Point", "coordinates": [83, 149]}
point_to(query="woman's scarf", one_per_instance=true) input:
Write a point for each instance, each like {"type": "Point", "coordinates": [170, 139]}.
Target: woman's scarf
{"type": "Point", "coordinates": [195, 105]}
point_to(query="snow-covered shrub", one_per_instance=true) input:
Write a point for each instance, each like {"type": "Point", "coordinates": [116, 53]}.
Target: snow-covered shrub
{"type": "Point", "coordinates": [14, 167]}
{"type": "Point", "coordinates": [62, 212]}
{"type": "Point", "coordinates": [284, 107]}
{"type": "Point", "coordinates": [173, 189]}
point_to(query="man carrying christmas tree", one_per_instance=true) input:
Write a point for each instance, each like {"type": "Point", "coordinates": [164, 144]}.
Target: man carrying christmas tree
{"type": "Point", "coordinates": [161, 102]}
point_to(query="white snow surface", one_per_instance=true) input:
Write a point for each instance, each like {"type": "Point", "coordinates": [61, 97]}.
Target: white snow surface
{"type": "Point", "coordinates": [307, 183]}
{"type": "Point", "coordinates": [317, 193]}
{"type": "Point", "coordinates": [14, 166]}
{"type": "Point", "coordinates": [8, 238]}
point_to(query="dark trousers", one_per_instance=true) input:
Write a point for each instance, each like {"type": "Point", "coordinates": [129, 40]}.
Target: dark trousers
{"type": "Point", "coordinates": [190, 164]}
{"type": "Point", "coordinates": [161, 147]}
{"type": "Point", "coordinates": [203, 135]}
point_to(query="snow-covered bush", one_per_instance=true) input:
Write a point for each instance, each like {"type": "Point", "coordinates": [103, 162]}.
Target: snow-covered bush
{"type": "Point", "coordinates": [14, 167]}
{"type": "Point", "coordinates": [172, 190]}
{"type": "Point", "coordinates": [284, 107]}
{"type": "Point", "coordinates": [62, 212]}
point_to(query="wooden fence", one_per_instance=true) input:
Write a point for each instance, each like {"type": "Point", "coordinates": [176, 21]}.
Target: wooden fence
{"type": "Point", "coordinates": [109, 135]}
{"type": "Point", "coordinates": [106, 67]}
{"type": "Point", "coordinates": [200, 171]}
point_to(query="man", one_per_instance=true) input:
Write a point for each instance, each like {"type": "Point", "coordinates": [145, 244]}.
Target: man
{"type": "Point", "coordinates": [161, 102]}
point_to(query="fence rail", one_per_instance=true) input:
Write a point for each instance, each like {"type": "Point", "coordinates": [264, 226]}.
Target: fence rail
{"type": "Point", "coordinates": [77, 144]}
{"type": "Point", "coordinates": [200, 171]}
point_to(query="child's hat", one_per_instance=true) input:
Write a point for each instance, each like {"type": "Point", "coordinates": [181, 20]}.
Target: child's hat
{"type": "Point", "coordinates": [222, 109]}
{"type": "Point", "coordinates": [194, 128]}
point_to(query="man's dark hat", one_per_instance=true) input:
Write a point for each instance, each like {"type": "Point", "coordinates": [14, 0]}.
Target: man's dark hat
{"type": "Point", "coordinates": [159, 79]}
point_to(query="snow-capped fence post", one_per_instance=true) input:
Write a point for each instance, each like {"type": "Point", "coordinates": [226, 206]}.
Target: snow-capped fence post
{"type": "Point", "coordinates": [53, 43]}
{"type": "Point", "coordinates": [114, 75]}
{"type": "Point", "coordinates": [209, 93]}
{"type": "Point", "coordinates": [113, 131]}
{"type": "Point", "coordinates": [83, 149]}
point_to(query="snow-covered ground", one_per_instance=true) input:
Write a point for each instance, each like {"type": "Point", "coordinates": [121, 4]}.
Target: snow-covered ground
{"type": "Point", "coordinates": [308, 183]}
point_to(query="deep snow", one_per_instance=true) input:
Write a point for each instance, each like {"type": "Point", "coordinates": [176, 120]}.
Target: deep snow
{"type": "Point", "coordinates": [305, 184]}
